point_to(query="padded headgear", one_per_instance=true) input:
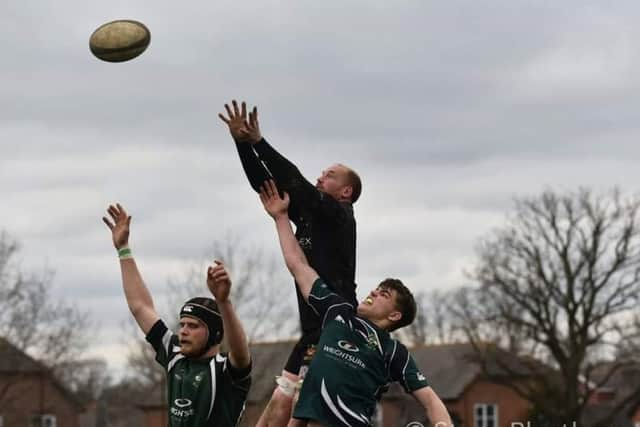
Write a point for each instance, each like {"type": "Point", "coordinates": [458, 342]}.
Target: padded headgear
{"type": "Point", "coordinates": [205, 310]}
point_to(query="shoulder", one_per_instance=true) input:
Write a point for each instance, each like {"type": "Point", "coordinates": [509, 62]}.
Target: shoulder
{"type": "Point", "coordinates": [161, 334]}
{"type": "Point", "coordinates": [395, 351]}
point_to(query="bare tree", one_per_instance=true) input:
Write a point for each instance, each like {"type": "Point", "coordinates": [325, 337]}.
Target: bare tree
{"type": "Point", "coordinates": [434, 322]}
{"type": "Point", "coordinates": [87, 378]}
{"type": "Point", "coordinates": [260, 287]}
{"type": "Point", "coordinates": [558, 282]}
{"type": "Point", "coordinates": [32, 320]}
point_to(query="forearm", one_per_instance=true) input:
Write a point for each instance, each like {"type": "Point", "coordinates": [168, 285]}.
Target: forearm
{"type": "Point", "coordinates": [294, 257]}
{"type": "Point", "coordinates": [288, 176]}
{"type": "Point", "coordinates": [137, 295]}
{"type": "Point", "coordinates": [236, 337]}
{"type": "Point", "coordinates": [253, 168]}
{"type": "Point", "coordinates": [282, 169]}
{"type": "Point", "coordinates": [435, 409]}
{"type": "Point", "coordinates": [439, 415]}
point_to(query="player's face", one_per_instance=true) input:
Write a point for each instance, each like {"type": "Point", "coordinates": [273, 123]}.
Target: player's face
{"type": "Point", "coordinates": [333, 181]}
{"type": "Point", "coordinates": [380, 304]}
{"type": "Point", "coordinates": [193, 336]}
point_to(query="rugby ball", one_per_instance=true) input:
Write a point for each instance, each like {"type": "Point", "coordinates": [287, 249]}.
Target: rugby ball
{"type": "Point", "coordinates": [119, 41]}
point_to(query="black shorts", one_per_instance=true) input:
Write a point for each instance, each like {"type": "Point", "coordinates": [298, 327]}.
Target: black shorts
{"type": "Point", "coordinates": [303, 351]}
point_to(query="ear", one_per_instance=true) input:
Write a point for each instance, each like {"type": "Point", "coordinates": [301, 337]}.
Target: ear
{"type": "Point", "coordinates": [394, 316]}
{"type": "Point", "coordinates": [347, 192]}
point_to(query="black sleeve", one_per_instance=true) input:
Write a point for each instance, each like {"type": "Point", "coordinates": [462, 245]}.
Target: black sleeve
{"type": "Point", "coordinates": [304, 195]}
{"type": "Point", "coordinates": [239, 378]}
{"type": "Point", "coordinates": [238, 373]}
{"type": "Point", "coordinates": [163, 341]}
{"type": "Point", "coordinates": [253, 167]}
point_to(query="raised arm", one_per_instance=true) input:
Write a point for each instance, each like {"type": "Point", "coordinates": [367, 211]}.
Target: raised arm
{"type": "Point", "coordinates": [285, 173]}
{"type": "Point", "coordinates": [294, 257]}
{"type": "Point", "coordinates": [253, 168]}
{"type": "Point", "coordinates": [135, 291]}
{"type": "Point", "coordinates": [435, 409]}
{"type": "Point", "coordinates": [219, 284]}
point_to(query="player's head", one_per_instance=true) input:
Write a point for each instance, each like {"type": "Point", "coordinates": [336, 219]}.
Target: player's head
{"type": "Point", "coordinates": [390, 305]}
{"type": "Point", "coordinates": [200, 326]}
{"type": "Point", "coordinates": [340, 182]}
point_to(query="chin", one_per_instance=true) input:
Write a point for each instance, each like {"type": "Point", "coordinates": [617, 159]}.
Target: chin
{"type": "Point", "coordinates": [362, 308]}
{"type": "Point", "coordinates": [187, 350]}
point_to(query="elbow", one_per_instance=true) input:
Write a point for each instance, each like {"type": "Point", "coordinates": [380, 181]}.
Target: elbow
{"type": "Point", "coordinates": [295, 264]}
{"type": "Point", "coordinates": [137, 309]}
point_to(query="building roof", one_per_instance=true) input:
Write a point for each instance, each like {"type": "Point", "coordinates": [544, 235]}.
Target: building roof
{"type": "Point", "coordinates": [451, 368]}
{"type": "Point", "coordinates": [268, 361]}
{"type": "Point", "coordinates": [621, 381]}
{"type": "Point", "coordinates": [14, 361]}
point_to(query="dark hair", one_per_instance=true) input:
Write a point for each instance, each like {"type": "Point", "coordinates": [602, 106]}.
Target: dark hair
{"type": "Point", "coordinates": [405, 303]}
{"type": "Point", "coordinates": [356, 184]}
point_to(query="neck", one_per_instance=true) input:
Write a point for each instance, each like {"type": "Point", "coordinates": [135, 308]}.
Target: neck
{"type": "Point", "coordinates": [211, 352]}
{"type": "Point", "coordinates": [383, 324]}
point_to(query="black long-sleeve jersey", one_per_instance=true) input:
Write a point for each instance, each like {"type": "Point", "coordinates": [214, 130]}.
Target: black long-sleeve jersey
{"type": "Point", "coordinates": [325, 228]}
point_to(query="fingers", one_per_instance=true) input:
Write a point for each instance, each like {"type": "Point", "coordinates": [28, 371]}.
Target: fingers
{"type": "Point", "coordinates": [218, 272]}
{"type": "Point", "coordinates": [235, 107]}
{"type": "Point", "coordinates": [113, 212]}
{"type": "Point", "coordinates": [273, 189]}
{"type": "Point", "coordinates": [118, 214]}
{"type": "Point", "coordinates": [253, 117]}
{"type": "Point", "coordinates": [106, 221]}
{"type": "Point", "coordinates": [223, 118]}
{"type": "Point", "coordinates": [123, 213]}
{"type": "Point", "coordinates": [243, 114]}
{"type": "Point", "coordinates": [229, 113]}
{"type": "Point", "coordinates": [266, 190]}
{"type": "Point", "coordinates": [219, 275]}
{"type": "Point", "coordinates": [263, 196]}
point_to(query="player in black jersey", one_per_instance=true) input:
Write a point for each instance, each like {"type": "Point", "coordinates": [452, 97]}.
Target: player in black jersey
{"type": "Point", "coordinates": [325, 229]}
{"type": "Point", "coordinates": [356, 358]}
{"type": "Point", "coordinates": [204, 387]}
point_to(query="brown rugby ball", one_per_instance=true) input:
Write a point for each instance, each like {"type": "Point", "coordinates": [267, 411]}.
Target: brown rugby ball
{"type": "Point", "coordinates": [119, 41]}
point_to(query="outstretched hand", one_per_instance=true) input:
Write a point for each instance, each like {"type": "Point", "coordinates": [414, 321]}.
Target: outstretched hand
{"type": "Point", "coordinates": [275, 205]}
{"type": "Point", "coordinates": [219, 282]}
{"type": "Point", "coordinates": [120, 225]}
{"type": "Point", "coordinates": [241, 129]}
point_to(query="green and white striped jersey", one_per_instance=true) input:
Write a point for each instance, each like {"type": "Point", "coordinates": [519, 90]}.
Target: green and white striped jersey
{"type": "Point", "coordinates": [354, 363]}
{"type": "Point", "coordinates": [201, 392]}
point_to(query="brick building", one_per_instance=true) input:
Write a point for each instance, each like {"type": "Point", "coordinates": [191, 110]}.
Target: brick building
{"type": "Point", "coordinates": [30, 396]}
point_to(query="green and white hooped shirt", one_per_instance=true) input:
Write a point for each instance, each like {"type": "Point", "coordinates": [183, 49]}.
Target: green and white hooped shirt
{"type": "Point", "coordinates": [354, 364]}
{"type": "Point", "coordinates": [201, 392]}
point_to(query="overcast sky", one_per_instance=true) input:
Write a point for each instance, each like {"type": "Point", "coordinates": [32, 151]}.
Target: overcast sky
{"type": "Point", "coordinates": [447, 110]}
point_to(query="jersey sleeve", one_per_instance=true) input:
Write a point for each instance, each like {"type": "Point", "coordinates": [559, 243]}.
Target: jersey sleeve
{"type": "Point", "coordinates": [240, 378]}
{"type": "Point", "coordinates": [253, 168]}
{"type": "Point", "coordinates": [403, 369]}
{"type": "Point", "coordinates": [164, 342]}
{"type": "Point", "coordinates": [327, 304]}
{"type": "Point", "coordinates": [304, 195]}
